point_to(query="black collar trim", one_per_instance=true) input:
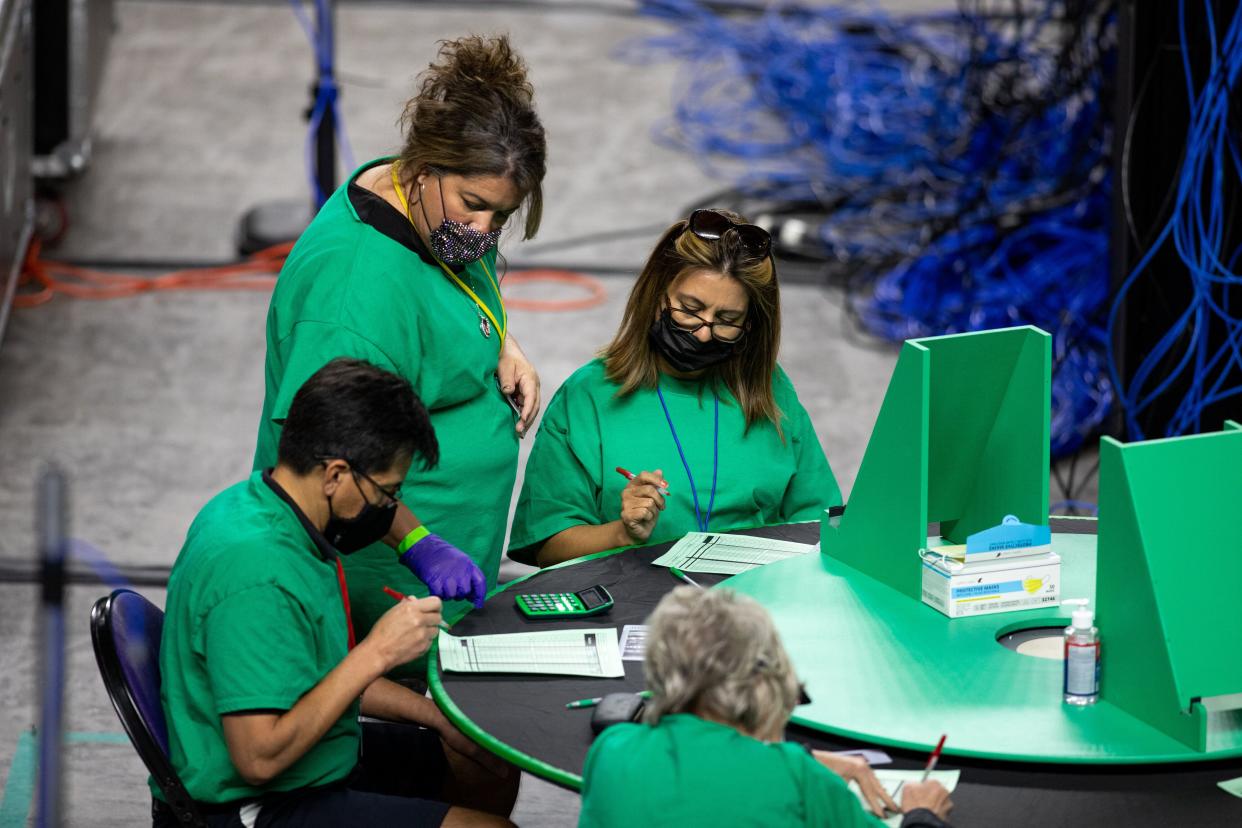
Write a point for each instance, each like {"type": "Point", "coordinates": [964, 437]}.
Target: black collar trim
{"type": "Point", "coordinates": [377, 213]}
{"type": "Point", "coordinates": [326, 550]}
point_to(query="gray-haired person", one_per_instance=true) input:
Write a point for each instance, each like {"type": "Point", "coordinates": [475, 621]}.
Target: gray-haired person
{"type": "Point", "coordinates": [711, 750]}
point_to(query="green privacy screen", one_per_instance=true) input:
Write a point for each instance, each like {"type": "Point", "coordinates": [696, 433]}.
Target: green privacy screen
{"type": "Point", "coordinates": [962, 438]}
{"type": "Point", "coordinates": [1169, 575]}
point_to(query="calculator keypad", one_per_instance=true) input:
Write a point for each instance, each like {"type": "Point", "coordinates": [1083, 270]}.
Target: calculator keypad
{"type": "Point", "coordinates": [550, 603]}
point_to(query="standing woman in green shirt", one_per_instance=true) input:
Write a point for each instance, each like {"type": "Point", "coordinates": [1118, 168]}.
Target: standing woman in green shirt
{"type": "Point", "coordinates": [689, 396]}
{"type": "Point", "coordinates": [399, 268]}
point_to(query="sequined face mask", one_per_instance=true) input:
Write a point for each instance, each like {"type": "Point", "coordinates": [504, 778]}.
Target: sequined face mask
{"type": "Point", "coordinates": [456, 243]}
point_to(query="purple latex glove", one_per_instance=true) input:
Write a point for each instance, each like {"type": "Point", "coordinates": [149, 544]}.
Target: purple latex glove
{"type": "Point", "coordinates": [446, 570]}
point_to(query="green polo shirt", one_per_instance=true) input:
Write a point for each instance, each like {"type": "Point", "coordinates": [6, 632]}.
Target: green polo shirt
{"type": "Point", "coordinates": [348, 289]}
{"type": "Point", "coordinates": [254, 620]}
{"type": "Point", "coordinates": [689, 771]}
{"type": "Point", "coordinates": [588, 431]}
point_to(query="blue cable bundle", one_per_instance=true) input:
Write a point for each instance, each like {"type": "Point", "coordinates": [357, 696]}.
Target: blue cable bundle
{"type": "Point", "coordinates": [1205, 343]}
{"type": "Point", "coordinates": [960, 160]}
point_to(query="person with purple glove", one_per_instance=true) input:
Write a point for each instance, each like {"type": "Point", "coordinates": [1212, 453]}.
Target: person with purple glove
{"type": "Point", "coordinates": [264, 681]}
{"type": "Point", "coordinates": [399, 268]}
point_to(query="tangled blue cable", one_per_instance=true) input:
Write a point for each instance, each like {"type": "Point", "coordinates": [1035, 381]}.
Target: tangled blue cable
{"type": "Point", "coordinates": [961, 163]}
{"type": "Point", "coordinates": [1206, 340]}
{"type": "Point", "coordinates": [326, 92]}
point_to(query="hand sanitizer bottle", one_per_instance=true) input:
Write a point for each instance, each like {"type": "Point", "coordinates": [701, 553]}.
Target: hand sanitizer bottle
{"type": "Point", "coordinates": [1082, 656]}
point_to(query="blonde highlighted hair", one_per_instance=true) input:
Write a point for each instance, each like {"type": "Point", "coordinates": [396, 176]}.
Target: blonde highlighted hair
{"type": "Point", "coordinates": [630, 361]}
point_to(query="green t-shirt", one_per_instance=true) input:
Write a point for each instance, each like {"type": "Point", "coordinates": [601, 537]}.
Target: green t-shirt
{"type": "Point", "coordinates": [348, 289]}
{"type": "Point", "coordinates": [588, 431]}
{"type": "Point", "coordinates": [254, 620]}
{"type": "Point", "coordinates": [689, 771]}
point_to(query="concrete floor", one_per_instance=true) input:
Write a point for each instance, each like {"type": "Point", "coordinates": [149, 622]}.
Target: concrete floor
{"type": "Point", "coordinates": [150, 403]}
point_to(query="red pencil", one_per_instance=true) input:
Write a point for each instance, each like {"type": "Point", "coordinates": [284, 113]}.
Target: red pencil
{"type": "Point", "coordinates": [630, 476]}
{"type": "Point", "coordinates": [934, 758]}
{"type": "Point", "coordinates": [397, 596]}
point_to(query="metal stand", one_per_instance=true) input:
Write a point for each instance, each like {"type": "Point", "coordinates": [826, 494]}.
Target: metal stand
{"type": "Point", "coordinates": [282, 221]}
{"type": "Point", "coordinates": [52, 529]}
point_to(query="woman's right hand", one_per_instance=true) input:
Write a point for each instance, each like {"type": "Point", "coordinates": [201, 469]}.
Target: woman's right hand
{"type": "Point", "coordinates": [930, 795]}
{"type": "Point", "coordinates": [406, 631]}
{"type": "Point", "coordinates": [641, 504]}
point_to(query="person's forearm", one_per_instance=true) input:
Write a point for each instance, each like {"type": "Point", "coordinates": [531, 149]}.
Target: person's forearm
{"type": "Point", "coordinates": [267, 750]}
{"type": "Point", "coordinates": [404, 522]}
{"type": "Point", "coordinates": [386, 699]}
{"type": "Point", "coordinates": [577, 541]}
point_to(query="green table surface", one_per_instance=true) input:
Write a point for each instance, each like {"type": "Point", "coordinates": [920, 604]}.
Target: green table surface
{"type": "Point", "coordinates": [885, 668]}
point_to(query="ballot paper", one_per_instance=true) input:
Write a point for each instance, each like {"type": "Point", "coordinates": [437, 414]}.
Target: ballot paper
{"type": "Point", "coordinates": [633, 642]}
{"type": "Point", "coordinates": [894, 780]}
{"type": "Point", "coordinates": [724, 554]}
{"type": "Point", "coordinates": [583, 652]}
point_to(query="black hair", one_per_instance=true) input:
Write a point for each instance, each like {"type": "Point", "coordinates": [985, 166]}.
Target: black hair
{"type": "Point", "coordinates": [355, 411]}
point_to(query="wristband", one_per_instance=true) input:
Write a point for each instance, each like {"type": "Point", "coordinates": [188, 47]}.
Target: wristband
{"type": "Point", "coordinates": [416, 534]}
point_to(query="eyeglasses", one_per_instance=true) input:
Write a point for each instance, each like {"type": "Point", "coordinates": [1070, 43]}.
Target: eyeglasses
{"type": "Point", "coordinates": [691, 322]}
{"type": "Point", "coordinates": [712, 225]}
{"type": "Point", "coordinates": [393, 494]}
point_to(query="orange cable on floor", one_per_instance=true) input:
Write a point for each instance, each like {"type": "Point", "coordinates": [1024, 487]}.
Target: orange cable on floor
{"type": "Point", "coordinates": [49, 277]}
{"type": "Point", "coordinates": [596, 294]}
{"type": "Point", "coordinates": [42, 279]}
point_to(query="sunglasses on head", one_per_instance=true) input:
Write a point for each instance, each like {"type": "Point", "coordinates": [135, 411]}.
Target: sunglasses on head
{"type": "Point", "coordinates": [712, 225]}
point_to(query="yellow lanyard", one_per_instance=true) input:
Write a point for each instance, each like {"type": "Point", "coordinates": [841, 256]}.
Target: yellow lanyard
{"type": "Point", "coordinates": [479, 303]}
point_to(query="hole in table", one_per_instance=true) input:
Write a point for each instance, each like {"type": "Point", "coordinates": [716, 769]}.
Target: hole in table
{"type": "Point", "coordinates": [1038, 642]}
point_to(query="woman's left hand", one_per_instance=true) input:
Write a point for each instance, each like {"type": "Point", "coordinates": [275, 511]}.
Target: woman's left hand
{"type": "Point", "coordinates": [856, 769]}
{"type": "Point", "coordinates": [520, 382]}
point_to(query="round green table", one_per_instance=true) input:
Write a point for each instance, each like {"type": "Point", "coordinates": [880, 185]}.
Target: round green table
{"type": "Point", "coordinates": [885, 668]}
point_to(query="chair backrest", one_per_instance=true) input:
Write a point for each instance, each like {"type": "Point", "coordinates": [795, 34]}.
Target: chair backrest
{"type": "Point", "coordinates": [125, 632]}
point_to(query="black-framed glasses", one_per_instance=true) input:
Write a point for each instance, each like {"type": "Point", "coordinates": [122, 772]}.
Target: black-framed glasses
{"type": "Point", "coordinates": [690, 322]}
{"type": "Point", "coordinates": [712, 225]}
{"type": "Point", "coordinates": [393, 494]}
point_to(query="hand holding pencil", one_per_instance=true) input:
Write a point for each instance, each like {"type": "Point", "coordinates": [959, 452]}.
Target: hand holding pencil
{"type": "Point", "coordinates": [928, 794]}
{"type": "Point", "coordinates": [642, 500]}
{"type": "Point", "coordinates": [405, 632]}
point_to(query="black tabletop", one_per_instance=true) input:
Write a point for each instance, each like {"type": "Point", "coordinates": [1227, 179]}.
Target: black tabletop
{"type": "Point", "coordinates": [523, 718]}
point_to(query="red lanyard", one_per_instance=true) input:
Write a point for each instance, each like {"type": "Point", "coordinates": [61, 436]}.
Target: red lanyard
{"type": "Point", "coordinates": [349, 619]}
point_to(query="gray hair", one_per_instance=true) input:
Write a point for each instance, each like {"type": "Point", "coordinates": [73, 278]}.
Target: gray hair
{"type": "Point", "coordinates": [717, 652]}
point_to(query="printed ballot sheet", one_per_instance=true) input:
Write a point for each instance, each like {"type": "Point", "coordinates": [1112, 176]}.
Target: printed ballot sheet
{"type": "Point", "coordinates": [728, 554]}
{"type": "Point", "coordinates": [589, 652]}
{"type": "Point", "coordinates": [633, 642]}
{"type": "Point", "coordinates": [894, 780]}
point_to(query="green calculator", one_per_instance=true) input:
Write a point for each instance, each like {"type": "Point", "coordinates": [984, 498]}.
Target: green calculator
{"type": "Point", "coordinates": [565, 604]}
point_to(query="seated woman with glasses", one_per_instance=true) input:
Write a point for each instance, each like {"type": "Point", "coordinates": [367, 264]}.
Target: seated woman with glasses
{"type": "Point", "coordinates": [690, 398]}
{"type": "Point", "coordinates": [712, 749]}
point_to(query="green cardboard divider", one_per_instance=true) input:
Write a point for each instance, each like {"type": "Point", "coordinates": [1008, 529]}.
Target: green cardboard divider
{"type": "Point", "coordinates": [962, 438]}
{"type": "Point", "coordinates": [1168, 575]}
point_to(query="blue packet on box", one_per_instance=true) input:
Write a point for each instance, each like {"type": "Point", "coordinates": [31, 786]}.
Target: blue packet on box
{"type": "Point", "coordinates": [1010, 539]}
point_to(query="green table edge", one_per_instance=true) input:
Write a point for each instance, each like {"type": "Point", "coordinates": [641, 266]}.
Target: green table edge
{"type": "Point", "coordinates": [480, 736]}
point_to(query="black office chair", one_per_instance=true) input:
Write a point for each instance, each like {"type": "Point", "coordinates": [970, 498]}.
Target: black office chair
{"type": "Point", "coordinates": [125, 631]}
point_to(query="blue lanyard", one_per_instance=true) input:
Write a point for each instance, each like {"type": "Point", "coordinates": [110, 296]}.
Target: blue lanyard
{"type": "Point", "coordinates": [698, 516]}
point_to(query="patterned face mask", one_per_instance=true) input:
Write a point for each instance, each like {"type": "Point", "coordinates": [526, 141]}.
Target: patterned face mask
{"type": "Point", "coordinates": [456, 243]}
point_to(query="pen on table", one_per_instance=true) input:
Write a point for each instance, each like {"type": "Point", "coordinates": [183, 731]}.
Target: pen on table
{"type": "Point", "coordinates": [397, 596]}
{"type": "Point", "coordinates": [574, 705]}
{"type": "Point", "coordinates": [629, 475]}
{"type": "Point", "coordinates": [934, 758]}
{"type": "Point", "coordinates": [678, 573]}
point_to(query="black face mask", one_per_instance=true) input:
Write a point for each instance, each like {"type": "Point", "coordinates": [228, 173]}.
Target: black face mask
{"type": "Point", "coordinates": [682, 350]}
{"type": "Point", "coordinates": [368, 526]}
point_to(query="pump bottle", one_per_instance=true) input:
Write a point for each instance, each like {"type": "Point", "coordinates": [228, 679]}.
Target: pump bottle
{"type": "Point", "coordinates": [1082, 656]}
